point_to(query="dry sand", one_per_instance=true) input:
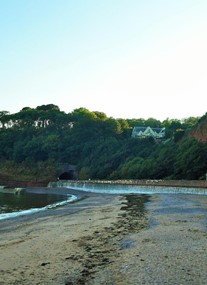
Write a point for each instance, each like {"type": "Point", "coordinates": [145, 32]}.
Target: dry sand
{"type": "Point", "coordinates": [110, 240]}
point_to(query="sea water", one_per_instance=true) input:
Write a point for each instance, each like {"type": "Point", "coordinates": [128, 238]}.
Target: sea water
{"type": "Point", "coordinates": [23, 203]}
{"type": "Point", "coordinates": [12, 205]}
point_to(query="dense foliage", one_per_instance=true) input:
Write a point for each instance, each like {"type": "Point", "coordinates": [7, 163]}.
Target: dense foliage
{"type": "Point", "coordinates": [100, 147]}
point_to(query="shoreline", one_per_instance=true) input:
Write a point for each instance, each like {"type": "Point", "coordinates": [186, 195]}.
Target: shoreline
{"type": "Point", "coordinates": [109, 239]}
{"type": "Point", "coordinates": [143, 182]}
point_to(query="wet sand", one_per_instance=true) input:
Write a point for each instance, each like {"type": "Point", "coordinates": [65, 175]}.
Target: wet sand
{"type": "Point", "coordinates": [110, 240]}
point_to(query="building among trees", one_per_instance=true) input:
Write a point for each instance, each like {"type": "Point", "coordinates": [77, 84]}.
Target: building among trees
{"type": "Point", "coordinates": [145, 132]}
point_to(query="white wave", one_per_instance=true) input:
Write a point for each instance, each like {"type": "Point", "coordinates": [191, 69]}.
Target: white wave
{"type": "Point", "coordinates": [70, 199]}
{"type": "Point", "coordinates": [132, 189]}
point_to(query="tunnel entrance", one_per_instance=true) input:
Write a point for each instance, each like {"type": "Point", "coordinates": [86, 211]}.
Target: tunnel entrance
{"type": "Point", "coordinates": [69, 175]}
{"type": "Point", "coordinates": [67, 172]}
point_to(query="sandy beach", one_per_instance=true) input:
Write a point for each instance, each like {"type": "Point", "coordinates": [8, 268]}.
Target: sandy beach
{"type": "Point", "coordinates": [110, 240]}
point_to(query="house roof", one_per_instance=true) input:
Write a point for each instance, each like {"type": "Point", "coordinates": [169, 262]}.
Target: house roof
{"type": "Point", "coordinates": [148, 131]}
{"type": "Point", "coordinates": [138, 129]}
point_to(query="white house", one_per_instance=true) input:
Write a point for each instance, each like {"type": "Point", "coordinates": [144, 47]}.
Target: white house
{"type": "Point", "coordinates": [145, 132]}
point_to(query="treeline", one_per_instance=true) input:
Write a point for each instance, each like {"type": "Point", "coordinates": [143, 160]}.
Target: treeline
{"type": "Point", "coordinates": [101, 147]}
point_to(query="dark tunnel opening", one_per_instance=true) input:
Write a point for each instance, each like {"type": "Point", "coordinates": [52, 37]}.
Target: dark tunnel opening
{"type": "Point", "coordinates": [69, 175]}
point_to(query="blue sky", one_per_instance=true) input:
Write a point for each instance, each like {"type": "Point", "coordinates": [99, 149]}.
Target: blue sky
{"type": "Point", "coordinates": [126, 58]}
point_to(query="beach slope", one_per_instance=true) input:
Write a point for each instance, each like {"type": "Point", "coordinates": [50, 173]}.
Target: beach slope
{"type": "Point", "coordinates": [108, 239]}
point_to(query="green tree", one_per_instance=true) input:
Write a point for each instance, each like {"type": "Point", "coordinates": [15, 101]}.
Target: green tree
{"type": "Point", "coordinates": [191, 160]}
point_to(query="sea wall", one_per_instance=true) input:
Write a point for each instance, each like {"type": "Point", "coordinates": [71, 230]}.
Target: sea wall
{"type": "Point", "coordinates": [22, 183]}
{"type": "Point", "coordinates": [138, 186]}
{"type": "Point", "coordinates": [8, 190]}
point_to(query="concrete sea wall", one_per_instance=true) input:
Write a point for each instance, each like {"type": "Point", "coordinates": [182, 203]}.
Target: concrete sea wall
{"type": "Point", "coordinates": [138, 186]}
{"type": "Point", "coordinates": [8, 190]}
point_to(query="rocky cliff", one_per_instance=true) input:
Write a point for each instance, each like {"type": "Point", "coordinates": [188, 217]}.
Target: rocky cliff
{"type": "Point", "coordinates": [200, 131]}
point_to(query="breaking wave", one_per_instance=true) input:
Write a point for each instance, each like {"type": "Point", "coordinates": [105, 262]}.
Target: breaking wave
{"type": "Point", "coordinates": [70, 198]}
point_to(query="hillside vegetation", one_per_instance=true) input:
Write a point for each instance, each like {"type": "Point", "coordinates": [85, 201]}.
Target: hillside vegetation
{"type": "Point", "coordinates": [35, 141]}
